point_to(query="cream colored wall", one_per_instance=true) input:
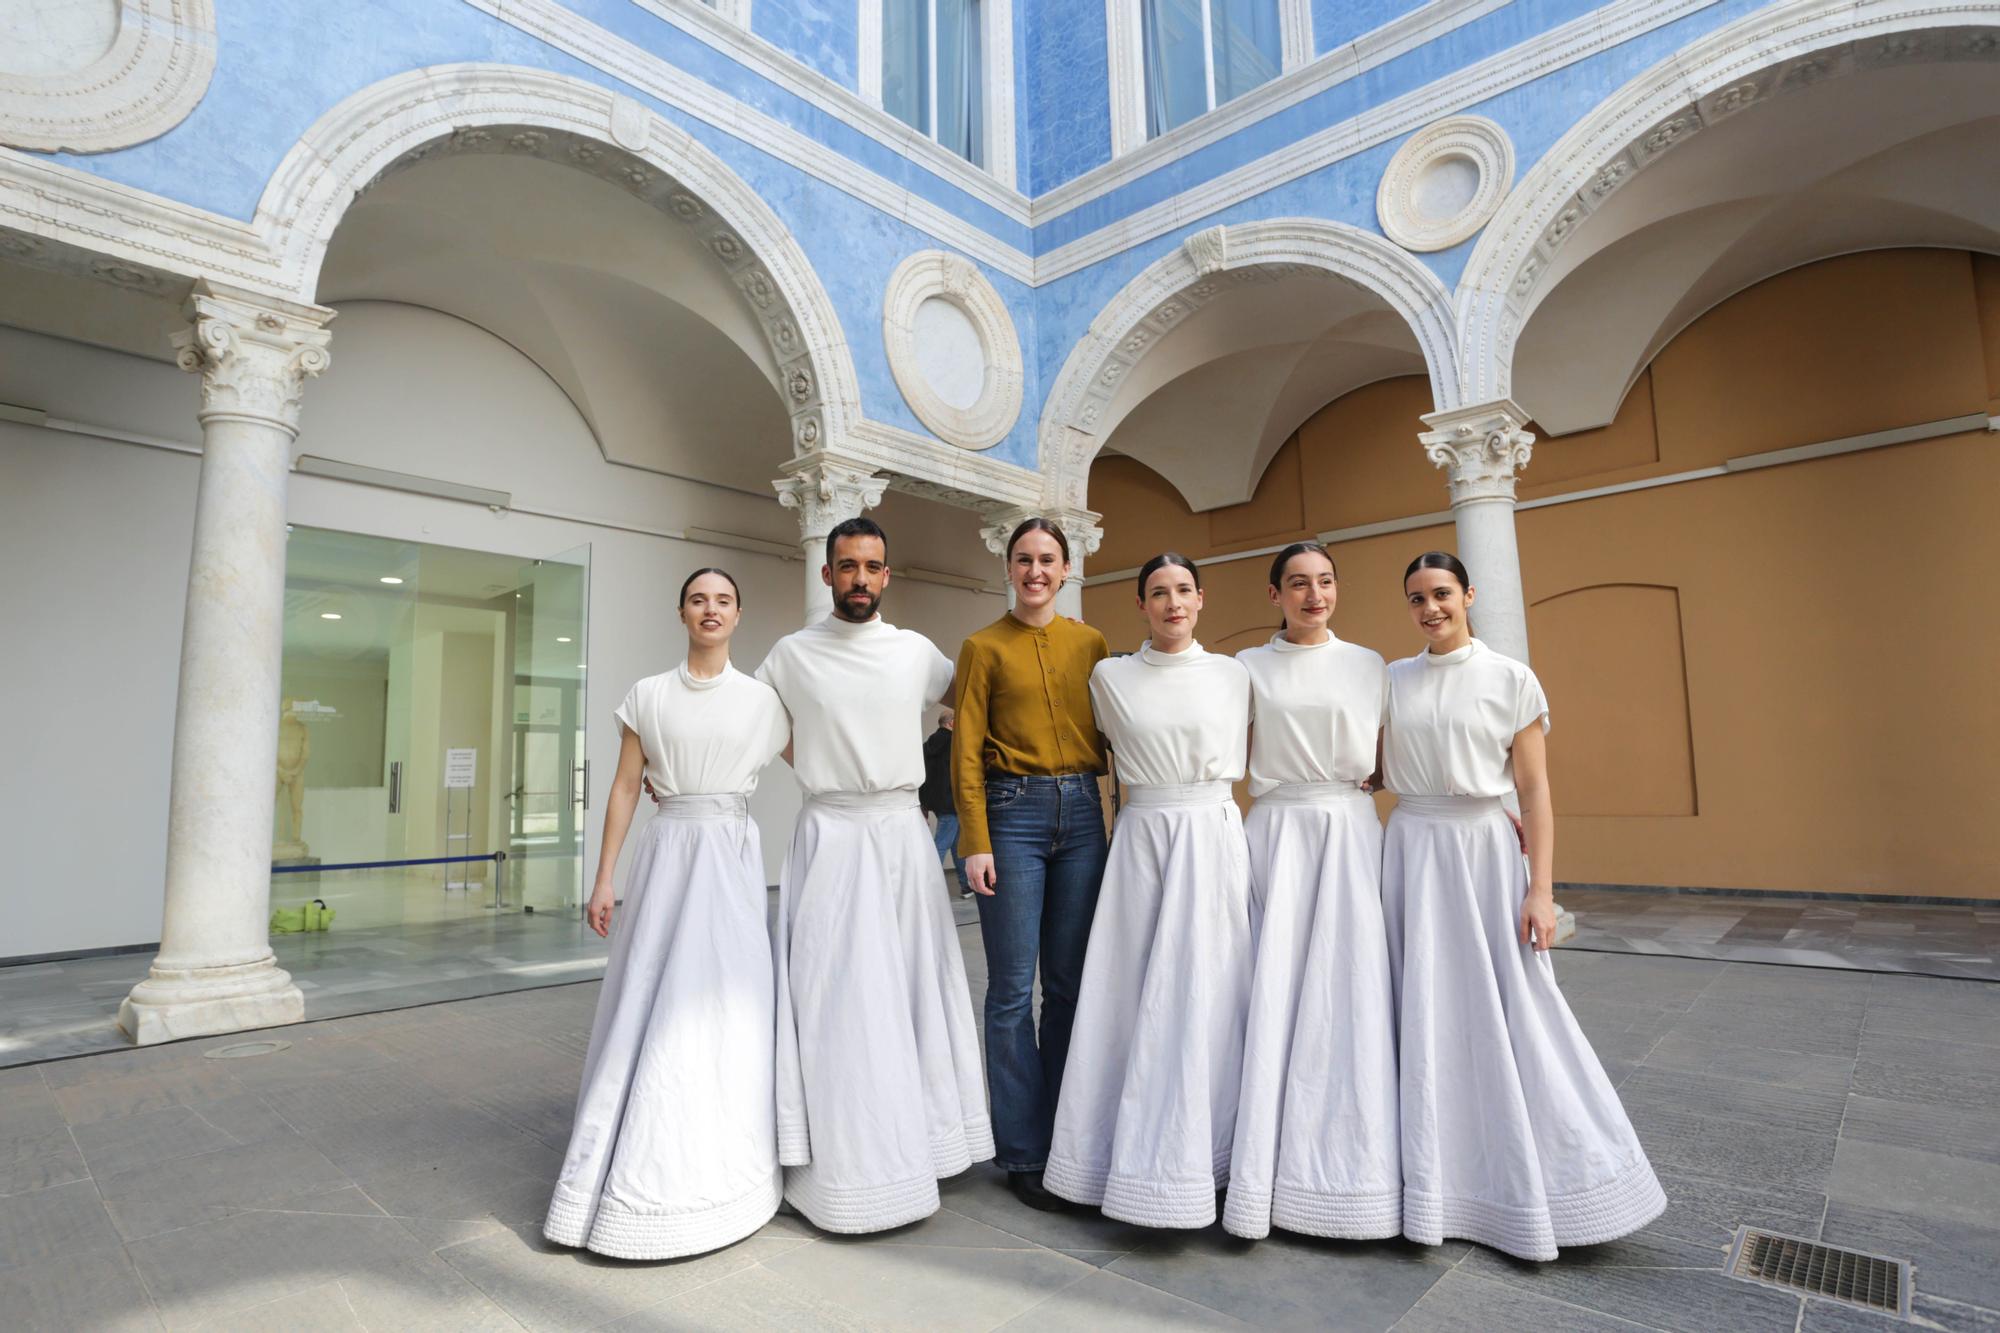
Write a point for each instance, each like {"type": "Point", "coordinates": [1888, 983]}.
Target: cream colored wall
{"type": "Point", "coordinates": [1774, 679]}
{"type": "Point", "coordinates": [97, 535]}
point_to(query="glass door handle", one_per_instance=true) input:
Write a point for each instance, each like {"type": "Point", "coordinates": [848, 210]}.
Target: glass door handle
{"type": "Point", "coordinates": [396, 788]}
{"type": "Point", "coordinates": [582, 772]}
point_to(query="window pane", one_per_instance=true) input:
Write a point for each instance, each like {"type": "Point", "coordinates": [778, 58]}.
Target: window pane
{"type": "Point", "coordinates": [1176, 77]}
{"type": "Point", "coordinates": [961, 119]}
{"type": "Point", "coordinates": [1248, 49]}
{"type": "Point", "coordinates": [906, 44]}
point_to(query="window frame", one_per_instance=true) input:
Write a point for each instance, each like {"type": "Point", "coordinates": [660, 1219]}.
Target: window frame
{"type": "Point", "coordinates": [996, 84]}
{"type": "Point", "coordinates": [1126, 41]}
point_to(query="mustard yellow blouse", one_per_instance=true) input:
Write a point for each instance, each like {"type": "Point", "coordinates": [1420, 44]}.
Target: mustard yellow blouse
{"type": "Point", "coordinates": [1023, 708]}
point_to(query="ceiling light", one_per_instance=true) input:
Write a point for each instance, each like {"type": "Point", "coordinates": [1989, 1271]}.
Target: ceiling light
{"type": "Point", "coordinates": [562, 638]}
{"type": "Point", "coordinates": [390, 578]}
{"type": "Point", "coordinates": [329, 615]}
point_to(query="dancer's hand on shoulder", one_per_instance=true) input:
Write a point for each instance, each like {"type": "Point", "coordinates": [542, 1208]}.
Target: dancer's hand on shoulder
{"type": "Point", "coordinates": [597, 912]}
{"type": "Point", "coordinates": [979, 873]}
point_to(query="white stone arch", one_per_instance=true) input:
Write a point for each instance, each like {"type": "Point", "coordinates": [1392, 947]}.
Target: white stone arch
{"type": "Point", "coordinates": [1759, 57]}
{"type": "Point", "coordinates": [1161, 296]}
{"type": "Point", "coordinates": [510, 109]}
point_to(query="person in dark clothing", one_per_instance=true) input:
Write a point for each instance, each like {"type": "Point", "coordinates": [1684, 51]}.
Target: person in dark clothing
{"type": "Point", "coordinates": [936, 799]}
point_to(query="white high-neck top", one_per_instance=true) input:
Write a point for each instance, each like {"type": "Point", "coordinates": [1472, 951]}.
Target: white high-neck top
{"type": "Point", "coordinates": [705, 737]}
{"type": "Point", "coordinates": [1452, 722]}
{"type": "Point", "coordinates": [857, 695]}
{"type": "Point", "coordinates": [1315, 711]}
{"type": "Point", "coordinates": [1173, 718]}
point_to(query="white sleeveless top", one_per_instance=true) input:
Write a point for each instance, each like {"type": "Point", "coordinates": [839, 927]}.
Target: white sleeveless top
{"type": "Point", "coordinates": [1315, 711]}
{"type": "Point", "coordinates": [705, 737]}
{"type": "Point", "coordinates": [1452, 722]}
{"type": "Point", "coordinates": [1173, 718]}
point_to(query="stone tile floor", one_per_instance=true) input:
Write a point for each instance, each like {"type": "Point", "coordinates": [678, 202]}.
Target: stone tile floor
{"type": "Point", "coordinates": [1938, 939]}
{"type": "Point", "coordinates": [388, 1171]}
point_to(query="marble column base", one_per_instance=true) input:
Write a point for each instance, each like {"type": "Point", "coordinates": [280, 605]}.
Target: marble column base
{"type": "Point", "coordinates": [173, 1003]}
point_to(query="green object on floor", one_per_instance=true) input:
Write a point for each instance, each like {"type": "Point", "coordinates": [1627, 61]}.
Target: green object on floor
{"type": "Point", "coordinates": [315, 915]}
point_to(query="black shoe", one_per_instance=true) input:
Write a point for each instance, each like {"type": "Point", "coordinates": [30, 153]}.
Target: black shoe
{"type": "Point", "coordinates": [1028, 1188]}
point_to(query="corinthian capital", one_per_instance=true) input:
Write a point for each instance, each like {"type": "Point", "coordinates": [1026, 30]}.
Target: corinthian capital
{"type": "Point", "coordinates": [1481, 448]}
{"type": "Point", "coordinates": [827, 490]}
{"type": "Point", "coordinates": [254, 353]}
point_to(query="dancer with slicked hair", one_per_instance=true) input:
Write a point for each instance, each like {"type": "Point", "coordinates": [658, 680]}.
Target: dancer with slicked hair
{"type": "Point", "coordinates": [879, 1089]}
{"type": "Point", "coordinates": [1148, 1107]}
{"type": "Point", "coordinates": [675, 1150]}
{"type": "Point", "coordinates": [1511, 1134]}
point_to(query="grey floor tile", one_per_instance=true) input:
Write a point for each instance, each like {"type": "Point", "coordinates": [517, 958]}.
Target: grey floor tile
{"type": "Point", "coordinates": [944, 1227]}
{"type": "Point", "coordinates": [544, 1286]}
{"type": "Point", "coordinates": [111, 1146]}
{"type": "Point", "coordinates": [1953, 1260]}
{"type": "Point", "coordinates": [421, 1291]}
{"type": "Point", "coordinates": [1931, 1185]}
{"type": "Point", "coordinates": [1833, 1317]}
{"type": "Point", "coordinates": [982, 1195]}
{"type": "Point", "coordinates": [108, 1099]}
{"type": "Point", "coordinates": [929, 1287]}
{"type": "Point", "coordinates": [1687, 1143]}
{"type": "Point", "coordinates": [1461, 1303]}
{"type": "Point", "coordinates": [1705, 1210]}
{"type": "Point", "coordinates": [53, 1225]}
{"type": "Point", "coordinates": [1651, 1281]}
{"type": "Point", "coordinates": [95, 1289]}
{"type": "Point", "coordinates": [1739, 1100]}
{"type": "Point", "coordinates": [199, 1273]}
{"type": "Point", "coordinates": [62, 1164]}
{"type": "Point", "coordinates": [1955, 1131]}
{"type": "Point", "coordinates": [434, 1233]}
{"type": "Point", "coordinates": [753, 1300]}
{"type": "Point", "coordinates": [1291, 1281]}
{"type": "Point", "coordinates": [210, 1186]}
{"type": "Point", "coordinates": [321, 1309]}
{"type": "Point", "coordinates": [1726, 1058]}
{"type": "Point", "coordinates": [1108, 1303]}
{"type": "Point", "coordinates": [1954, 1317]}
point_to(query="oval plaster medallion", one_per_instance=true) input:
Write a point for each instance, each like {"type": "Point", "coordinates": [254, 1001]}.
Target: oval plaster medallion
{"type": "Point", "coordinates": [953, 349]}
{"type": "Point", "coordinates": [1445, 183]}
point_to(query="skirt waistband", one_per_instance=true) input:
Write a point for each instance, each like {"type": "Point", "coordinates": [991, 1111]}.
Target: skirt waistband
{"type": "Point", "coordinates": [896, 798]}
{"type": "Point", "coordinates": [1312, 793]}
{"type": "Point", "coordinates": [1189, 793]}
{"type": "Point", "coordinates": [1449, 807]}
{"type": "Point", "coordinates": [721, 805]}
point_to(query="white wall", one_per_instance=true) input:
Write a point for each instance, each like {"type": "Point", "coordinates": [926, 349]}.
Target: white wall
{"type": "Point", "coordinates": [95, 536]}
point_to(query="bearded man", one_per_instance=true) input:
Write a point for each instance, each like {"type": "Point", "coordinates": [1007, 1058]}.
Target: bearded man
{"type": "Point", "coordinates": [880, 1090]}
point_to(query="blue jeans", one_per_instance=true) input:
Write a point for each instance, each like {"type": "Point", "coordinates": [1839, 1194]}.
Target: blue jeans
{"type": "Point", "coordinates": [946, 839]}
{"type": "Point", "coordinates": [1048, 860]}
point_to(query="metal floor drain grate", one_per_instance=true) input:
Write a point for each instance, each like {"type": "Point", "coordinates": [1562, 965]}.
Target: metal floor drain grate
{"type": "Point", "coordinates": [1869, 1281]}
{"type": "Point", "coordinates": [243, 1050]}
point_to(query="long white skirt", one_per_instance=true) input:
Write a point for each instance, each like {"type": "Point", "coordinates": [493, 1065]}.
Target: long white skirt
{"type": "Point", "coordinates": [880, 1089]}
{"type": "Point", "coordinates": [1317, 1146]}
{"type": "Point", "coordinates": [1148, 1107]}
{"type": "Point", "coordinates": [675, 1150]}
{"type": "Point", "coordinates": [1512, 1135]}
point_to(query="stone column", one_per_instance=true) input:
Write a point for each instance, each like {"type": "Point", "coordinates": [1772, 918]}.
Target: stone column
{"type": "Point", "coordinates": [826, 490]}
{"type": "Point", "coordinates": [1481, 449]}
{"type": "Point", "coordinates": [215, 971]}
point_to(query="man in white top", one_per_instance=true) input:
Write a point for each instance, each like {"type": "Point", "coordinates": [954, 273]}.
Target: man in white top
{"type": "Point", "coordinates": [880, 1091]}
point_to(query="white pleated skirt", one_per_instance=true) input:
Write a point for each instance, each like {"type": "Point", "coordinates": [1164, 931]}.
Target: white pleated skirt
{"type": "Point", "coordinates": [1512, 1135]}
{"type": "Point", "coordinates": [675, 1150]}
{"type": "Point", "coordinates": [1317, 1143]}
{"type": "Point", "coordinates": [1147, 1114]}
{"type": "Point", "coordinates": [880, 1091]}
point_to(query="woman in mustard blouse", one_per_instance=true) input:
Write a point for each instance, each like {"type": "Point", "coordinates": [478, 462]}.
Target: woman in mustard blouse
{"type": "Point", "coordinates": [1026, 756]}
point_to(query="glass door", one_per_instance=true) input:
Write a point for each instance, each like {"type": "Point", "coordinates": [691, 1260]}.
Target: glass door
{"type": "Point", "coordinates": [552, 782]}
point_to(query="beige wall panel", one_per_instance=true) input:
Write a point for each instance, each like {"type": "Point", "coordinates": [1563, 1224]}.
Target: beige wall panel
{"type": "Point", "coordinates": [1152, 517]}
{"type": "Point", "coordinates": [1844, 347]}
{"type": "Point", "coordinates": [1359, 460]}
{"type": "Point", "coordinates": [1274, 512]}
{"type": "Point", "coordinates": [1614, 655]}
{"type": "Point", "coordinates": [1846, 735]}
{"type": "Point", "coordinates": [1986, 291]}
{"type": "Point", "coordinates": [1625, 450]}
